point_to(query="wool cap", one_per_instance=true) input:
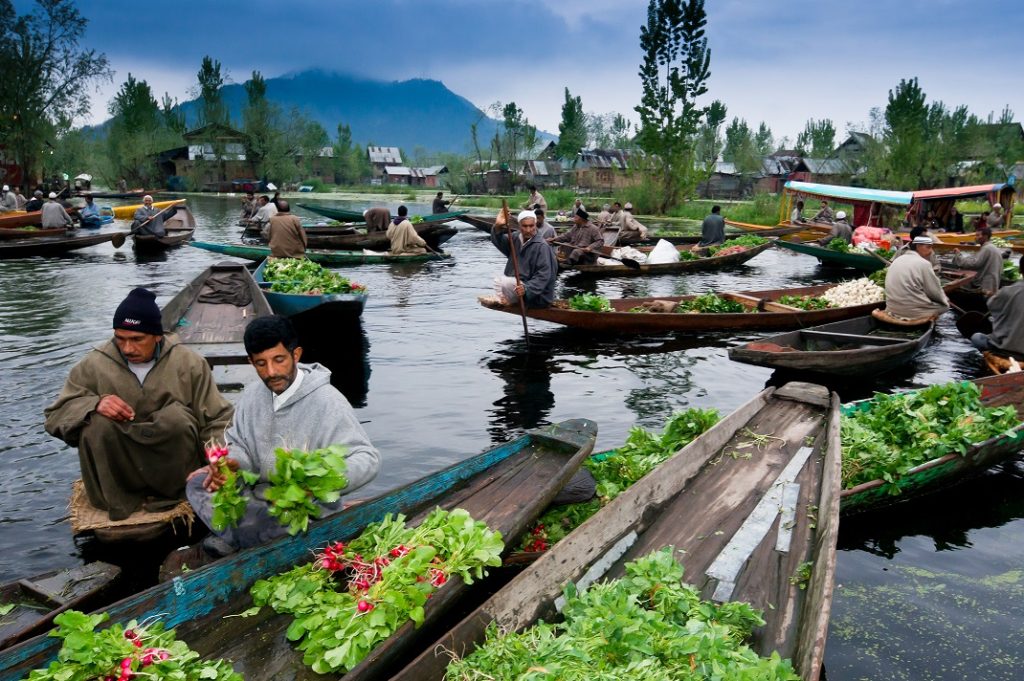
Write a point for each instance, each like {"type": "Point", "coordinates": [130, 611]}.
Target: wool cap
{"type": "Point", "coordinates": [138, 312]}
{"type": "Point", "coordinates": [583, 214]}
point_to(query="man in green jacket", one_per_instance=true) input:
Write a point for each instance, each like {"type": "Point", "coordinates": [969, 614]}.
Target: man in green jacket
{"type": "Point", "coordinates": [139, 409]}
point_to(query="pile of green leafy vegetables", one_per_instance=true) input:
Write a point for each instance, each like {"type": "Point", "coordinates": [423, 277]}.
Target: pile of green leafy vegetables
{"type": "Point", "coordinates": [839, 245]}
{"type": "Point", "coordinates": [297, 275]}
{"type": "Point", "coordinates": [893, 433]}
{"type": "Point", "coordinates": [123, 652]}
{"type": "Point", "coordinates": [747, 241]}
{"type": "Point", "coordinates": [878, 277]}
{"type": "Point", "coordinates": [587, 302]}
{"type": "Point", "coordinates": [616, 470]}
{"type": "Point", "coordinates": [1010, 271]}
{"type": "Point", "coordinates": [302, 478]}
{"type": "Point", "coordinates": [354, 596]}
{"type": "Point", "coordinates": [710, 302]}
{"type": "Point", "coordinates": [804, 302]}
{"type": "Point", "coordinates": [647, 625]}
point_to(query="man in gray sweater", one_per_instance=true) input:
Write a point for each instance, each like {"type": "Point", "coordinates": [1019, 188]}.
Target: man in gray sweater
{"type": "Point", "coordinates": [294, 406]}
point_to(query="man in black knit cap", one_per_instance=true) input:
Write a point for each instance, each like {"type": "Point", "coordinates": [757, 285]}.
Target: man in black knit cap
{"type": "Point", "coordinates": [139, 408]}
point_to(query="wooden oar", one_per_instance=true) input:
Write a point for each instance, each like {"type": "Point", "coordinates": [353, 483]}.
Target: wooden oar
{"type": "Point", "coordinates": [135, 230]}
{"type": "Point", "coordinates": [515, 267]}
{"type": "Point", "coordinates": [628, 262]}
{"type": "Point", "coordinates": [971, 322]}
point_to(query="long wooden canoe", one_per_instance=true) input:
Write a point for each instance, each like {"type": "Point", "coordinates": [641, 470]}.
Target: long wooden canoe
{"type": "Point", "coordinates": [714, 262]}
{"type": "Point", "coordinates": [210, 314]}
{"type": "Point", "coordinates": [20, 218]}
{"type": "Point", "coordinates": [128, 212]}
{"type": "Point", "coordinates": [290, 304]}
{"type": "Point", "coordinates": [743, 529]}
{"type": "Point", "coordinates": [24, 248]}
{"type": "Point", "coordinates": [179, 228]}
{"type": "Point", "coordinates": [971, 246]}
{"type": "Point", "coordinates": [996, 391]}
{"type": "Point", "coordinates": [691, 239]}
{"type": "Point", "coordinates": [762, 311]}
{"type": "Point", "coordinates": [38, 600]}
{"type": "Point", "coordinates": [862, 346]}
{"type": "Point", "coordinates": [505, 487]}
{"type": "Point", "coordinates": [955, 238]}
{"type": "Point", "coordinates": [30, 232]}
{"type": "Point", "coordinates": [324, 257]}
{"type": "Point", "coordinates": [826, 256]}
{"type": "Point", "coordinates": [433, 233]}
{"type": "Point", "coordinates": [345, 215]}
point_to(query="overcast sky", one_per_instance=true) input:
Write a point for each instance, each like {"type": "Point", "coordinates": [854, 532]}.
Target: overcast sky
{"type": "Point", "coordinates": [781, 62]}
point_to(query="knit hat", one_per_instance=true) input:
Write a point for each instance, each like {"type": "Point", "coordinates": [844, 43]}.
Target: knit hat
{"type": "Point", "coordinates": [138, 312]}
{"type": "Point", "coordinates": [583, 214]}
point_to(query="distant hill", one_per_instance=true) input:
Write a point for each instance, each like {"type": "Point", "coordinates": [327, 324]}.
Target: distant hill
{"type": "Point", "coordinates": [404, 114]}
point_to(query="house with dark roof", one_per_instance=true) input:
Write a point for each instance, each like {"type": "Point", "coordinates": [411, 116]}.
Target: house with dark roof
{"type": "Point", "coordinates": [382, 157]}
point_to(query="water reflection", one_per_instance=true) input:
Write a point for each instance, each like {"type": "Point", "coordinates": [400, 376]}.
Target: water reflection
{"type": "Point", "coordinates": [340, 343]}
{"type": "Point", "coordinates": [526, 399]}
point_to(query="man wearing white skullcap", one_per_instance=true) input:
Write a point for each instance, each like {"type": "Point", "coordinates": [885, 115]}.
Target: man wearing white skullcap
{"type": "Point", "coordinates": [147, 219]}
{"type": "Point", "coordinates": [912, 289]}
{"type": "Point", "coordinates": [537, 266]}
{"type": "Point", "coordinates": [995, 218]}
{"type": "Point", "coordinates": [841, 229]}
{"type": "Point", "coordinates": [9, 201]}
{"type": "Point", "coordinates": [53, 214]}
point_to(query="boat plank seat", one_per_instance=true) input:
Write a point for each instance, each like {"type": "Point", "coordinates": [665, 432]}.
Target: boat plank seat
{"type": "Point", "coordinates": [852, 338]}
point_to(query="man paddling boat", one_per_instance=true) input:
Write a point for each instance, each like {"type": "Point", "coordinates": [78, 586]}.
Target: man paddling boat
{"type": "Point", "coordinates": [292, 405]}
{"type": "Point", "coordinates": [403, 237]}
{"type": "Point", "coordinates": [138, 408]}
{"type": "Point", "coordinates": [147, 219]}
{"type": "Point", "coordinates": [538, 267]}
{"type": "Point", "coordinates": [987, 262]}
{"type": "Point", "coordinates": [585, 240]}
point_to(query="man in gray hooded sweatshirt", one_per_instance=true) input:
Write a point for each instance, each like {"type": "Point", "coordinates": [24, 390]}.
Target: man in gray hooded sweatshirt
{"type": "Point", "coordinates": [295, 406]}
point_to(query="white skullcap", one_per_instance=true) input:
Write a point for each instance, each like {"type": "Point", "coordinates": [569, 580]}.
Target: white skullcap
{"type": "Point", "coordinates": [147, 196]}
{"type": "Point", "coordinates": [994, 205]}
{"type": "Point", "coordinates": [927, 240]}
{"type": "Point", "coordinates": [6, 188]}
{"type": "Point", "coordinates": [628, 206]}
{"type": "Point", "coordinates": [53, 195]}
{"type": "Point", "coordinates": [526, 214]}
{"type": "Point", "coordinates": [271, 187]}
{"type": "Point", "coordinates": [365, 212]}
{"type": "Point", "coordinates": [840, 215]}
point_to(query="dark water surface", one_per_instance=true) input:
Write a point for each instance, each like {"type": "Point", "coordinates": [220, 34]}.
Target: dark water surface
{"type": "Point", "coordinates": [925, 591]}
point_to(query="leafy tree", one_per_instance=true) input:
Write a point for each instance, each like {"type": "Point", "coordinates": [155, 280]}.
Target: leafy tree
{"type": "Point", "coordinates": [47, 76]}
{"type": "Point", "coordinates": [212, 109]}
{"type": "Point", "coordinates": [997, 148]}
{"type": "Point", "coordinates": [709, 138]}
{"type": "Point", "coordinates": [173, 117]}
{"type": "Point", "coordinates": [673, 74]}
{"type": "Point", "coordinates": [346, 165]}
{"type": "Point", "coordinates": [261, 122]}
{"type": "Point", "coordinates": [136, 132]}
{"type": "Point", "coordinates": [763, 140]}
{"type": "Point", "coordinates": [514, 137]}
{"type": "Point", "coordinates": [818, 138]}
{"type": "Point", "coordinates": [572, 131]}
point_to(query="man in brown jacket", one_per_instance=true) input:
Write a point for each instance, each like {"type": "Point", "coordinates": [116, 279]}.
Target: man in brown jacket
{"type": "Point", "coordinates": [139, 409]}
{"type": "Point", "coordinates": [286, 235]}
{"type": "Point", "coordinates": [377, 219]}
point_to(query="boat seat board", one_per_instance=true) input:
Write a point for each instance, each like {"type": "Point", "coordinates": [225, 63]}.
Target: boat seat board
{"type": "Point", "coordinates": [719, 500]}
{"type": "Point", "coordinates": [853, 338]}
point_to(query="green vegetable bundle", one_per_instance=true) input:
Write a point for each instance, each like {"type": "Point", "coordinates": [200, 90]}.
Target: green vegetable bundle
{"type": "Point", "coordinates": [590, 303]}
{"type": "Point", "coordinates": [354, 596]}
{"type": "Point", "coordinates": [710, 302]}
{"type": "Point", "coordinates": [302, 478]}
{"type": "Point", "coordinates": [1010, 271]}
{"type": "Point", "coordinates": [747, 241]}
{"type": "Point", "coordinates": [647, 625]}
{"type": "Point", "coordinates": [615, 472]}
{"type": "Point", "coordinates": [295, 275]}
{"type": "Point", "coordinates": [839, 245]}
{"type": "Point", "coordinates": [125, 652]}
{"type": "Point", "coordinates": [804, 302]}
{"type": "Point", "coordinates": [895, 433]}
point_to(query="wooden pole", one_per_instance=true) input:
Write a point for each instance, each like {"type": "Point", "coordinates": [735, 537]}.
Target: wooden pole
{"type": "Point", "coordinates": [515, 267]}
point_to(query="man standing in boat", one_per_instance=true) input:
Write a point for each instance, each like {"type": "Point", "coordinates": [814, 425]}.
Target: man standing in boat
{"type": "Point", "coordinates": [147, 219]}
{"type": "Point", "coordinates": [138, 408]}
{"type": "Point", "coordinates": [377, 219]}
{"type": "Point", "coordinates": [403, 237]}
{"type": "Point", "coordinates": [538, 267]}
{"type": "Point", "coordinates": [987, 262]}
{"type": "Point", "coordinates": [912, 289]}
{"type": "Point", "coordinates": [712, 230]}
{"type": "Point", "coordinates": [292, 405]}
{"type": "Point", "coordinates": [285, 234]}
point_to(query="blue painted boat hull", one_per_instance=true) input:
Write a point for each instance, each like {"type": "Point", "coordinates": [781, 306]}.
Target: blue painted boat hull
{"type": "Point", "coordinates": [210, 592]}
{"type": "Point", "coordinates": [290, 304]}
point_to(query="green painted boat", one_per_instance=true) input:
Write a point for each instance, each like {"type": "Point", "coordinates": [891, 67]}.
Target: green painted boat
{"type": "Point", "coordinates": [335, 258]}
{"type": "Point", "coordinates": [996, 391]}
{"type": "Point", "coordinates": [866, 263]}
{"type": "Point", "coordinates": [345, 215]}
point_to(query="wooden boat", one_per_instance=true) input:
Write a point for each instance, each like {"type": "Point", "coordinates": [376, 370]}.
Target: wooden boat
{"type": "Point", "coordinates": [345, 215]}
{"type": "Point", "coordinates": [30, 232]}
{"type": "Point", "coordinates": [524, 474]}
{"type": "Point", "coordinates": [855, 347]}
{"type": "Point", "coordinates": [434, 234]}
{"type": "Point", "coordinates": [826, 256]}
{"type": "Point", "coordinates": [16, 219]}
{"type": "Point", "coordinates": [996, 391]}
{"type": "Point", "coordinates": [736, 547]}
{"type": "Point", "coordinates": [955, 239]}
{"type": "Point", "coordinates": [970, 246]}
{"type": "Point", "coordinates": [763, 312]}
{"type": "Point", "coordinates": [290, 304]}
{"type": "Point", "coordinates": [37, 600]}
{"type": "Point", "coordinates": [24, 248]}
{"type": "Point", "coordinates": [1000, 363]}
{"type": "Point", "coordinates": [178, 228]}
{"type": "Point", "coordinates": [128, 212]}
{"type": "Point", "coordinates": [336, 258]}
{"type": "Point", "coordinates": [710, 263]}
{"type": "Point", "coordinates": [942, 200]}
{"type": "Point", "coordinates": [215, 329]}
{"type": "Point", "coordinates": [138, 194]}
{"type": "Point", "coordinates": [869, 205]}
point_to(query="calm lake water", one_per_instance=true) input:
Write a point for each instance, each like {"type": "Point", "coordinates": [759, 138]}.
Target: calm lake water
{"type": "Point", "coordinates": [928, 590]}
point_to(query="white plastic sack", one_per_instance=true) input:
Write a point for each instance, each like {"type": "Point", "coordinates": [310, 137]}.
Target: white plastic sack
{"type": "Point", "coordinates": [631, 253]}
{"type": "Point", "coordinates": [663, 252]}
